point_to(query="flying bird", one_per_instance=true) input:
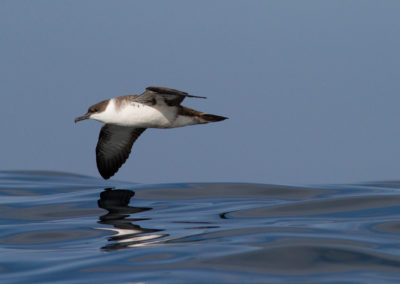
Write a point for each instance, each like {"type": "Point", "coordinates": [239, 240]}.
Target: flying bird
{"type": "Point", "coordinates": [127, 117]}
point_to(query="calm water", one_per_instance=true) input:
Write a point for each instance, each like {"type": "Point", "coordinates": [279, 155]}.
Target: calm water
{"type": "Point", "coordinates": [71, 228]}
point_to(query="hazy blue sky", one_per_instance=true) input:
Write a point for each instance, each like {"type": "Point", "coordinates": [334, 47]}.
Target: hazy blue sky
{"type": "Point", "coordinates": [311, 87]}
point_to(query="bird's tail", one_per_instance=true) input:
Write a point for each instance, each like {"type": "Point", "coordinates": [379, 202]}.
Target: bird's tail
{"type": "Point", "coordinates": [212, 117]}
{"type": "Point", "coordinates": [199, 117]}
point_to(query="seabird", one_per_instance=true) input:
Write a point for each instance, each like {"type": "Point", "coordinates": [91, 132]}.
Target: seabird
{"type": "Point", "coordinates": [127, 117]}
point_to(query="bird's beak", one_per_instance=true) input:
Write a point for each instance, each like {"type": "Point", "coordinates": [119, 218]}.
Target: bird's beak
{"type": "Point", "coordinates": [86, 116]}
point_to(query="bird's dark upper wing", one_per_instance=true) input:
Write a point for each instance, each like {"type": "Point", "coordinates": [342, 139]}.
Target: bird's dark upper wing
{"type": "Point", "coordinates": [114, 146]}
{"type": "Point", "coordinates": [171, 97]}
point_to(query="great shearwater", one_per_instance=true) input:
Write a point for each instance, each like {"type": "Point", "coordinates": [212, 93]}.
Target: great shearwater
{"type": "Point", "coordinates": [127, 117]}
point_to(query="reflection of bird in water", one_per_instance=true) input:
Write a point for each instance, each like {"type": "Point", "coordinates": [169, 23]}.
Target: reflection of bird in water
{"type": "Point", "coordinates": [116, 202]}
{"type": "Point", "coordinates": [127, 117]}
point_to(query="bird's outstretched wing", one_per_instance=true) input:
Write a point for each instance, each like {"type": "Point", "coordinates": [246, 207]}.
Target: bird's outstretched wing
{"type": "Point", "coordinates": [155, 95]}
{"type": "Point", "coordinates": [114, 146]}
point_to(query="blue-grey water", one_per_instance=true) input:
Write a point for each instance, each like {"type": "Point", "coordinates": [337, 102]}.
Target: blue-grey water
{"type": "Point", "coordinates": [58, 227]}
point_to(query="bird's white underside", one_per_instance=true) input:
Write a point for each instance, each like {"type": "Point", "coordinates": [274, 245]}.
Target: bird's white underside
{"type": "Point", "coordinates": [144, 116]}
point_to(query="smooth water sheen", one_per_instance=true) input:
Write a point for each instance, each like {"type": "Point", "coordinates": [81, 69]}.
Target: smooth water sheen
{"type": "Point", "coordinates": [57, 227]}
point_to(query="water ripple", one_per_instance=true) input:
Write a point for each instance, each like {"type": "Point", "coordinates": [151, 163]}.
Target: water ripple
{"type": "Point", "coordinates": [58, 226]}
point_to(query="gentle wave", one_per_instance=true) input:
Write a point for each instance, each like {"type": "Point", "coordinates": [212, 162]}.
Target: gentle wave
{"type": "Point", "coordinates": [66, 227]}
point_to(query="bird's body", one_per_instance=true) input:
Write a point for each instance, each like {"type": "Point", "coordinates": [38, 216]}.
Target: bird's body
{"type": "Point", "coordinates": [127, 117]}
{"type": "Point", "coordinates": [125, 111]}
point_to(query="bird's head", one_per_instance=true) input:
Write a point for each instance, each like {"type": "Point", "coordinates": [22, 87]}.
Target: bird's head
{"type": "Point", "coordinates": [94, 111]}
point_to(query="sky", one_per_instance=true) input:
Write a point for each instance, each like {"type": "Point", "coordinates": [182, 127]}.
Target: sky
{"type": "Point", "coordinates": [311, 88]}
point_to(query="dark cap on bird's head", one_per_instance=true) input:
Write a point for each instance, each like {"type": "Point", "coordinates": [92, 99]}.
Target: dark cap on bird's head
{"type": "Point", "coordinates": [99, 107]}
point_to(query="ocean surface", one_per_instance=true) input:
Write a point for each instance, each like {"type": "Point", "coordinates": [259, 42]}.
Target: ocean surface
{"type": "Point", "coordinates": [57, 227]}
